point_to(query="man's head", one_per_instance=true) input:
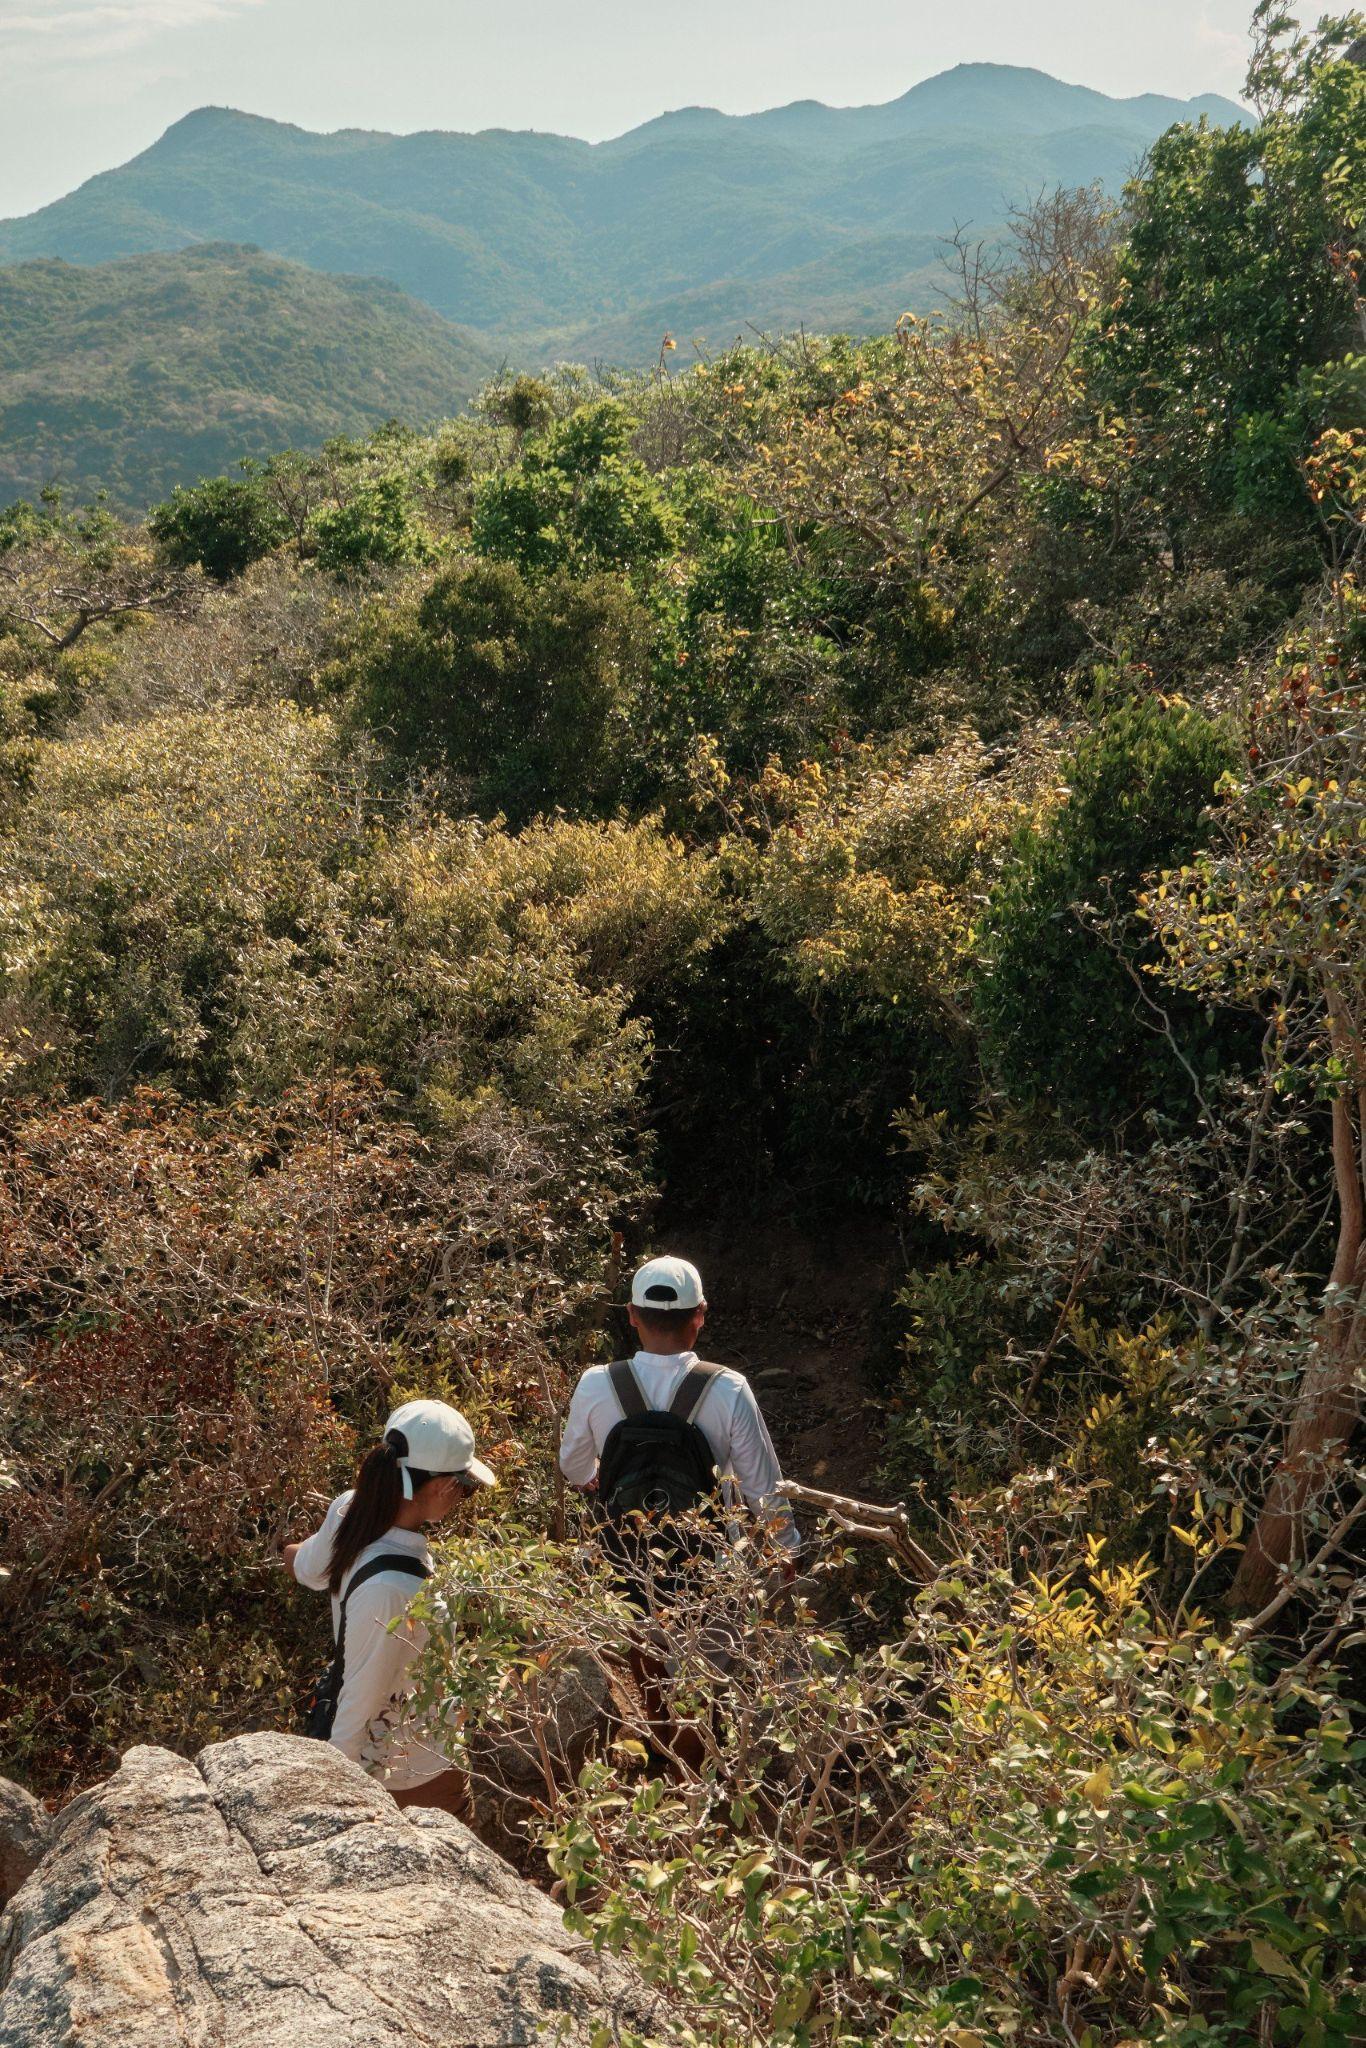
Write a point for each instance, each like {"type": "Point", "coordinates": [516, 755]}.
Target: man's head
{"type": "Point", "coordinates": [668, 1307]}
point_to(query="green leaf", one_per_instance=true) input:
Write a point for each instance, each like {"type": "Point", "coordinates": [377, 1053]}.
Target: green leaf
{"type": "Point", "coordinates": [1270, 1961]}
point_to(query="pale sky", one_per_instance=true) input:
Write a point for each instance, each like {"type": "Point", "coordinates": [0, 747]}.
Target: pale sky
{"type": "Point", "coordinates": [85, 84]}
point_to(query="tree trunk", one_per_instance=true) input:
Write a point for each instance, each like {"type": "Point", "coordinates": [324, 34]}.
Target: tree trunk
{"type": "Point", "coordinates": [1327, 1408]}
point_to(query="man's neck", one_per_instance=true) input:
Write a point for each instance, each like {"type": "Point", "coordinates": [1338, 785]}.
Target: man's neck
{"type": "Point", "coordinates": [664, 1357]}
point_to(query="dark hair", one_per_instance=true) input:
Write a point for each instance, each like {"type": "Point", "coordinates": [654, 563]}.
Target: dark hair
{"type": "Point", "coordinates": [666, 1322]}
{"type": "Point", "coordinates": [372, 1507]}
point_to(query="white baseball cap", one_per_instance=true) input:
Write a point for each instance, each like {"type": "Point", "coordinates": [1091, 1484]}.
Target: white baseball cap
{"type": "Point", "coordinates": [667, 1283]}
{"type": "Point", "coordinates": [435, 1438]}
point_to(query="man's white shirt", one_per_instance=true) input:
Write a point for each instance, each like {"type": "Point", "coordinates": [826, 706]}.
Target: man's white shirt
{"type": "Point", "coordinates": [728, 1417]}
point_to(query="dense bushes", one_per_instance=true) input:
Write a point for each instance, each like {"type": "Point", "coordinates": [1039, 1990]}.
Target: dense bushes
{"type": "Point", "coordinates": [1067, 1009]}
{"type": "Point", "coordinates": [1047, 1811]}
{"type": "Point", "coordinates": [850, 775]}
{"type": "Point", "coordinates": [153, 872]}
{"type": "Point", "coordinates": [525, 690]}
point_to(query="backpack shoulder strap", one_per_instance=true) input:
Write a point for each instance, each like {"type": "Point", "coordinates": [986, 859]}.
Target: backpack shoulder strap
{"type": "Point", "coordinates": [626, 1387]}
{"type": "Point", "coordinates": [692, 1391]}
{"type": "Point", "coordinates": [392, 1561]}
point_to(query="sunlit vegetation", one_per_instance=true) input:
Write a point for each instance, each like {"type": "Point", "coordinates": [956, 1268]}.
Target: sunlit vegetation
{"type": "Point", "coordinates": [916, 779]}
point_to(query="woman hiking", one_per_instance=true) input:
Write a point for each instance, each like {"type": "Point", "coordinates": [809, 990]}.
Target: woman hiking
{"type": "Point", "coordinates": [371, 1555]}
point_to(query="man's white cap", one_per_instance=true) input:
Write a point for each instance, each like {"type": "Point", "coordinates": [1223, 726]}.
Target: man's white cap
{"type": "Point", "coordinates": [434, 1438]}
{"type": "Point", "coordinates": [667, 1283]}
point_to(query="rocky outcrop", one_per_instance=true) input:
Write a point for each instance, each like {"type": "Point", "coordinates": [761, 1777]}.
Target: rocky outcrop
{"type": "Point", "coordinates": [24, 1833]}
{"type": "Point", "coordinates": [270, 1894]}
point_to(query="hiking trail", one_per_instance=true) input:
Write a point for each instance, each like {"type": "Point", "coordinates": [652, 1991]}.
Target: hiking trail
{"type": "Point", "coordinates": [799, 1311]}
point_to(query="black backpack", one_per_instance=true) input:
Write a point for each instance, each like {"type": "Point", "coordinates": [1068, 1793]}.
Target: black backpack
{"type": "Point", "coordinates": [320, 1708]}
{"type": "Point", "coordinates": [656, 1461]}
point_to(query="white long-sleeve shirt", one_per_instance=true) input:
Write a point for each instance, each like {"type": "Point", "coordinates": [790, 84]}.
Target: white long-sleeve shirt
{"type": "Point", "coordinates": [728, 1417]}
{"type": "Point", "coordinates": [371, 1725]}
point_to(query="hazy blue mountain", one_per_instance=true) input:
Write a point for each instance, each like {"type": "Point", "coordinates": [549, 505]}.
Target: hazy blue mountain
{"type": "Point", "coordinates": [977, 97]}
{"type": "Point", "coordinates": [155, 370]}
{"type": "Point", "coordinates": [698, 221]}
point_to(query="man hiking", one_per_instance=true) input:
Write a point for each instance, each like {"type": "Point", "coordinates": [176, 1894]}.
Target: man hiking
{"type": "Point", "coordinates": [657, 1430]}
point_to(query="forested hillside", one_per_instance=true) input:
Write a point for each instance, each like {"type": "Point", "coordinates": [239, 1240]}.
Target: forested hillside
{"type": "Point", "coordinates": [133, 377]}
{"type": "Point", "coordinates": [905, 791]}
{"type": "Point", "coordinates": [699, 222]}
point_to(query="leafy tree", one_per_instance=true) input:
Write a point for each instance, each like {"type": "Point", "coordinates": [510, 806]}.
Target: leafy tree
{"type": "Point", "coordinates": [63, 572]}
{"type": "Point", "coordinates": [578, 496]}
{"type": "Point", "coordinates": [524, 687]}
{"type": "Point", "coordinates": [375, 525]}
{"type": "Point", "coordinates": [223, 525]}
{"type": "Point", "coordinates": [1061, 995]}
{"type": "Point", "coordinates": [527, 405]}
{"type": "Point", "coordinates": [1234, 294]}
{"type": "Point", "coordinates": [748, 665]}
{"type": "Point", "coordinates": [904, 457]}
{"type": "Point", "coordinates": [1273, 914]}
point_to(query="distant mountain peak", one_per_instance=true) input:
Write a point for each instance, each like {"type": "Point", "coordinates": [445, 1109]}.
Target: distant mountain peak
{"type": "Point", "coordinates": [697, 222]}
{"type": "Point", "coordinates": [202, 119]}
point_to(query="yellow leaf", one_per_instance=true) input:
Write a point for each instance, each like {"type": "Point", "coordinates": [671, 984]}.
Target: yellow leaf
{"type": "Point", "coordinates": [1098, 1787]}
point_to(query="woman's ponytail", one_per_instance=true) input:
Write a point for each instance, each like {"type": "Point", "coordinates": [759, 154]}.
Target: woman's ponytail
{"type": "Point", "coordinates": [371, 1512]}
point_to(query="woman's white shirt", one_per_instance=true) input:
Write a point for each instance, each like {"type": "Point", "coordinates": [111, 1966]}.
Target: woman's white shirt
{"type": "Point", "coordinates": [369, 1722]}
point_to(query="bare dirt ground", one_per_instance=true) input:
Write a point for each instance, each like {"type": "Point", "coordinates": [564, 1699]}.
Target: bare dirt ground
{"type": "Point", "coordinates": [798, 1312]}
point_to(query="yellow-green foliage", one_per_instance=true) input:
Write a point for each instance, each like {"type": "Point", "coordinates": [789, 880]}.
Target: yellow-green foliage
{"type": "Point", "coordinates": [148, 870]}
{"type": "Point", "coordinates": [469, 964]}
{"type": "Point", "coordinates": [1274, 912]}
{"type": "Point", "coordinates": [871, 869]}
{"type": "Point", "coordinates": [1045, 1811]}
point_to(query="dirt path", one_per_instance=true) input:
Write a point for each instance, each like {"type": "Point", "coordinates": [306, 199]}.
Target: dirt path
{"type": "Point", "coordinates": [798, 1312]}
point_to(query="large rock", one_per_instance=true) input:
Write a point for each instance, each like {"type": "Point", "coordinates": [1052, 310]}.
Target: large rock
{"type": "Point", "coordinates": [271, 1894]}
{"type": "Point", "coordinates": [24, 1833]}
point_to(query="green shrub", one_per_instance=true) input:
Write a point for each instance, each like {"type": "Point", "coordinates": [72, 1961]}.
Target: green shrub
{"type": "Point", "coordinates": [375, 526]}
{"type": "Point", "coordinates": [224, 524]}
{"type": "Point", "coordinates": [578, 496]}
{"type": "Point", "coordinates": [1066, 1010]}
{"type": "Point", "coordinates": [525, 689]}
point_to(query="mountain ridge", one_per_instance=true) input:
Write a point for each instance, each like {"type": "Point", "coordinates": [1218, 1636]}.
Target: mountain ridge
{"type": "Point", "coordinates": [526, 236]}
{"type": "Point", "coordinates": [154, 370]}
{"type": "Point", "coordinates": [1145, 108]}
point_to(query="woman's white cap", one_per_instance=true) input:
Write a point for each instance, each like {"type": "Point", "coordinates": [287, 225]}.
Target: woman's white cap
{"type": "Point", "coordinates": [435, 1438]}
{"type": "Point", "coordinates": [667, 1283]}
